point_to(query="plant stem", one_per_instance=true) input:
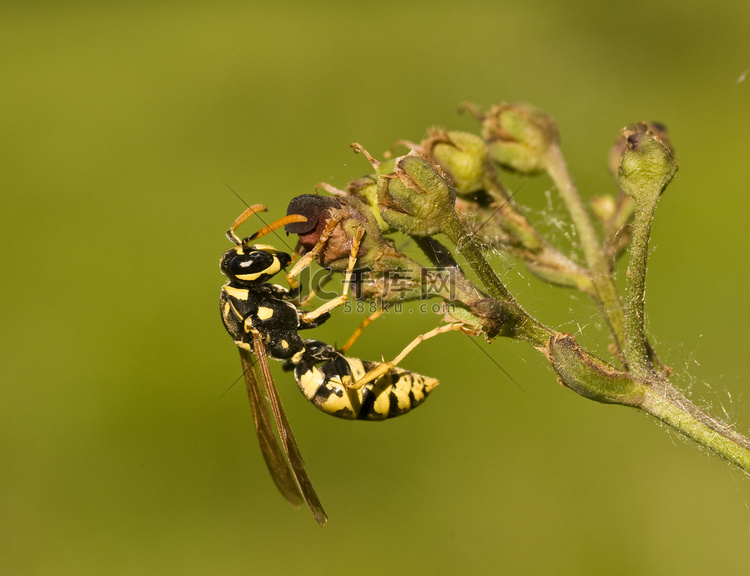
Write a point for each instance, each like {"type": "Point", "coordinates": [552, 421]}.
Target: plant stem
{"type": "Point", "coordinates": [669, 406]}
{"type": "Point", "coordinates": [597, 380]}
{"type": "Point", "coordinates": [470, 249]}
{"type": "Point", "coordinates": [635, 351]}
{"type": "Point", "coordinates": [592, 248]}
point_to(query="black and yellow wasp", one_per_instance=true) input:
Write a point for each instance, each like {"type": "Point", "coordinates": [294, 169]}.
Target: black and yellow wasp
{"type": "Point", "coordinates": [264, 322]}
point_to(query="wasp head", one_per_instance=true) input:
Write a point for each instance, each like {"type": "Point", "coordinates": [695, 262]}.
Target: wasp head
{"type": "Point", "coordinates": [253, 264]}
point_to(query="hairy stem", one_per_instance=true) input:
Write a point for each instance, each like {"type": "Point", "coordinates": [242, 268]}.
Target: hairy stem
{"type": "Point", "coordinates": [597, 380]}
{"type": "Point", "coordinates": [669, 406]}
{"type": "Point", "coordinates": [470, 249]}
{"type": "Point", "coordinates": [636, 353]}
{"type": "Point", "coordinates": [592, 247]}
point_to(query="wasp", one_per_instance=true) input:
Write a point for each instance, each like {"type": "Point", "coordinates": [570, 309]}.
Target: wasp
{"type": "Point", "coordinates": [264, 321]}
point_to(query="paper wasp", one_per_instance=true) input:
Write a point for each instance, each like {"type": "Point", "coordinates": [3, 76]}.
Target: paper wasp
{"type": "Point", "coordinates": [264, 322]}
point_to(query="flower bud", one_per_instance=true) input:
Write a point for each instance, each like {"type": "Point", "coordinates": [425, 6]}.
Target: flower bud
{"type": "Point", "coordinates": [656, 129]}
{"type": "Point", "coordinates": [589, 376]}
{"type": "Point", "coordinates": [646, 164]}
{"type": "Point", "coordinates": [414, 196]}
{"type": "Point", "coordinates": [604, 207]}
{"type": "Point", "coordinates": [392, 275]}
{"type": "Point", "coordinates": [366, 189]}
{"type": "Point", "coordinates": [518, 136]}
{"type": "Point", "coordinates": [461, 155]}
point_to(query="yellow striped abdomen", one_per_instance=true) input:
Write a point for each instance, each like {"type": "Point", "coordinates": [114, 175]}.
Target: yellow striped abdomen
{"type": "Point", "coordinates": [391, 395]}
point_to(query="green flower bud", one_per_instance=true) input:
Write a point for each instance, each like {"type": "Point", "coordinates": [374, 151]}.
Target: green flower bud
{"type": "Point", "coordinates": [589, 376]}
{"type": "Point", "coordinates": [656, 129]}
{"type": "Point", "coordinates": [461, 155]}
{"type": "Point", "coordinates": [604, 207]}
{"type": "Point", "coordinates": [518, 136]}
{"type": "Point", "coordinates": [646, 163]}
{"type": "Point", "coordinates": [414, 196]}
{"type": "Point", "coordinates": [367, 189]}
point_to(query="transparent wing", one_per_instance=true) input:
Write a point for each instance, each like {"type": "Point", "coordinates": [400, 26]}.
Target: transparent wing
{"type": "Point", "coordinates": [284, 460]}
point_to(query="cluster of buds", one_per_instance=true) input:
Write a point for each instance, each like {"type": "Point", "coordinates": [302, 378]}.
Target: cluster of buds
{"type": "Point", "coordinates": [449, 185]}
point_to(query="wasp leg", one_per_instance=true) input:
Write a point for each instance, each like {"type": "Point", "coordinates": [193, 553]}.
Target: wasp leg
{"type": "Point", "coordinates": [302, 302]}
{"type": "Point", "coordinates": [358, 332]}
{"type": "Point", "coordinates": [339, 300]}
{"type": "Point", "coordinates": [385, 367]}
{"type": "Point", "coordinates": [307, 259]}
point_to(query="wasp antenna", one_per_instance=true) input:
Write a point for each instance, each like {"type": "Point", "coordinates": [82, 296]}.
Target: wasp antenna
{"type": "Point", "coordinates": [275, 225]}
{"type": "Point", "coordinates": [254, 209]}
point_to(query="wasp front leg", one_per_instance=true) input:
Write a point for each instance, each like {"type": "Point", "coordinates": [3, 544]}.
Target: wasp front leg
{"type": "Point", "coordinates": [339, 300]}
{"type": "Point", "coordinates": [307, 259]}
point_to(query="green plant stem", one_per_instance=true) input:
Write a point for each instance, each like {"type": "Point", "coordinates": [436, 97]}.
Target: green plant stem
{"type": "Point", "coordinates": [540, 257]}
{"type": "Point", "coordinates": [635, 351]}
{"type": "Point", "coordinates": [669, 406]}
{"type": "Point", "coordinates": [497, 318]}
{"type": "Point", "coordinates": [592, 248]}
{"type": "Point", "coordinates": [592, 377]}
{"type": "Point", "coordinates": [597, 380]}
{"type": "Point", "coordinates": [470, 249]}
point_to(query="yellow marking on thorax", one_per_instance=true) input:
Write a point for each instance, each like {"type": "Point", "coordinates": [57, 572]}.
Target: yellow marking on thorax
{"type": "Point", "coordinates": [264, 313]}
{"type": "Point", "coordinates": [236, 312]}
{"type": "Point", "coordinates": [238, 293]}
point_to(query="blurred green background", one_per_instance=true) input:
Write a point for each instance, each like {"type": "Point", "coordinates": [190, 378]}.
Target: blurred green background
{"type": "Point", "coordinates": [124, 447]}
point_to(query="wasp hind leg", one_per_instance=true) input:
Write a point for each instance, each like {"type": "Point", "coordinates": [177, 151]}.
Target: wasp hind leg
{"type": "Point", "coordinates": [385, 367]}
{"type": "Point", "coordinates": [361, 328]}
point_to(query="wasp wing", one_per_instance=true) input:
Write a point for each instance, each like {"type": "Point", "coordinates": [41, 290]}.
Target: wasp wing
{"type": "Point", "coordinates": [272, 451]}
{"type": "Point", "coordinates": [284, 460]}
